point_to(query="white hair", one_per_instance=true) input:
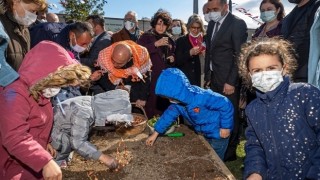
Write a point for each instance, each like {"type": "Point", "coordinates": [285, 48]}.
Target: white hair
{"type": "Point", "coordinates": [134, 14]}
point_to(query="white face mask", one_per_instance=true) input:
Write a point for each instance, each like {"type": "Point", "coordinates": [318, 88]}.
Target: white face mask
{"type": "Point", "coordinates": [128, 25]}
{"type": "Point", "coordinates": [195, 36]}
{"type": "Point", "coordinates": [76, 47]}
{"type": "Point", "coordinates": [215, 16]}
{"type": "Point", "coordinates": [207, 17]}
{"type": "Point", "coordinates": [28, 18]}
{"type": "Point", "coordinates": [176, 30]}
{"type": "Point", "coordinates": [50, 92]}
{"type": "Point", "coordinates": [266, 81]}
{"type": "Point", "coordinates": [268, 16]}
{"type": "Point", "coordinates": [43, 20]}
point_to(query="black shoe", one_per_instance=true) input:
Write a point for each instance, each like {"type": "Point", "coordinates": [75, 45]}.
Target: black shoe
{"type": "Point", "coordinates": [230, 158]}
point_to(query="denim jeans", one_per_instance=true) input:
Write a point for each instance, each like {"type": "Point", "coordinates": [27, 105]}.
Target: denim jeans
{"type": "Point", "coordinates": [219, 146]}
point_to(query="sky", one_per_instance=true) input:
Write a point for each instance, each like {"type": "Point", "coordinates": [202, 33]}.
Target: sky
{"type": "Point", "coordinates": [181, 9]}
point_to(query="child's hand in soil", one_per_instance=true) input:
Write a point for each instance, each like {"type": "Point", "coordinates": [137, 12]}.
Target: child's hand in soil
{"type": "Point", "coordinates": [109, 161]}
{"type": "Point", "coordinates": [224, 133]}
{"type": "Point", "coordinates": [152, 138]}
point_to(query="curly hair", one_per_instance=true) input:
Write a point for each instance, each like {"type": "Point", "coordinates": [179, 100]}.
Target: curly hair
{"type": "Point", "coordinates": [72, 75]}
{"type": "Point", "coordinates": [161, 14]}
{"type": "Point", "coordinates": [6, 5]}
{"type": "Point", "coordinates": [270, 46]}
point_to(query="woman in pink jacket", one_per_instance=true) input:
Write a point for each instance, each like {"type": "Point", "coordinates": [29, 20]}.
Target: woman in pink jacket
{"type": "Point", "coordinates": [26, 114]}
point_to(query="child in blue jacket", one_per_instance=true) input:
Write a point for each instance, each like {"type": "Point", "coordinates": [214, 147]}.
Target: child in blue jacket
{"type": "Point", "coordinates": [210, 113]}
{"type": "Point", "coordinates": [283, 134]}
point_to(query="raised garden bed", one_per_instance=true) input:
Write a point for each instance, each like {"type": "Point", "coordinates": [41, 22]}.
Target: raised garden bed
{"type": "Point", "coordinates": [188, 157]}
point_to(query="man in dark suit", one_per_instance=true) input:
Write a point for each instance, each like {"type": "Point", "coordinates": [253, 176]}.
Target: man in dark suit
{"type": "Point", "coordinates": [225, 35]}
{"type": "Point", "coordinates": [101, 41]}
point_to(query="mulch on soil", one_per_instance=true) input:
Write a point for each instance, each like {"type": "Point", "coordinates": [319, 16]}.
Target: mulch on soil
{"type": "Point", "coordinates": [184, 158]}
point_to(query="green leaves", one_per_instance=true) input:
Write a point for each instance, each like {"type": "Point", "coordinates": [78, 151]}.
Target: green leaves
{"type": "Point", "coordinates": [79, 9]}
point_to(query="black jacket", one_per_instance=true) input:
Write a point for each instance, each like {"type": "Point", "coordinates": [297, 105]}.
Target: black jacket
{"type": "Point", "coordinates": [189, 65]}
{"type": "Point", "coordinates": [101, 42]}
{"type": "Point", "coordinates": [296, 28]}
{"type": "Point", "coordinates": [223, 52]}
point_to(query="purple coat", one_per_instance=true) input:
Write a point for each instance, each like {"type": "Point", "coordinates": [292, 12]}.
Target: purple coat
{"type": "Point", "coordinates": [272, 33]}
{"type": "Point", "coordinates": [156, 105]}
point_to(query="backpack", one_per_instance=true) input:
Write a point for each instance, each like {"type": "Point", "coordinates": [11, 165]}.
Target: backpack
{"type": "Point", "coordinates": [45, 31]}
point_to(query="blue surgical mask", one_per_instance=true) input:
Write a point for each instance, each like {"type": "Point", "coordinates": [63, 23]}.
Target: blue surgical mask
{"type": "Point", "coordinates": [268, 16]}
{"type": "Point", "coordinates": [176, 30]}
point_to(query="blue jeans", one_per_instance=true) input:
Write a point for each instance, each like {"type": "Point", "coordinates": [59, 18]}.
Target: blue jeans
{"type": "Point", "coordinates": [219, 146]}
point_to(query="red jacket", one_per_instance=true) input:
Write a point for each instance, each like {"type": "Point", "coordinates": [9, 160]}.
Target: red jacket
{"type": "Point", "coordinates": [25, 124]}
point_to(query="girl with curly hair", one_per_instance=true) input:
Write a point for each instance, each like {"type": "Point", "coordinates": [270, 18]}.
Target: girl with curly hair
{"type": "Point", "coordinates": [283, 131]}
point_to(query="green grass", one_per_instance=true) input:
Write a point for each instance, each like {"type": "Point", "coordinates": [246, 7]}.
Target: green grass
{"type": "Point", "coordinates": [236, 167]}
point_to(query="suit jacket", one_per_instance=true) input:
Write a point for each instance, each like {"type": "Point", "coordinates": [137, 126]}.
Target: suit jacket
{"type": "Point", "coordinates": [223, 51]}
{"type": "Point", "coordinates": [124, 35]}
{"type": "Point", "coordinates": [101, 42]}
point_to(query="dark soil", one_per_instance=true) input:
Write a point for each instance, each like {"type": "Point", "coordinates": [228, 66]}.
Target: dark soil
{"type": "Point", "coordinates": [168, 159]}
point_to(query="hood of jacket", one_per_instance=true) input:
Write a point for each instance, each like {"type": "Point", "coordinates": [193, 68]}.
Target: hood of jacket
{"type": "Point", "coordinates": [173, 83]}
{"type": "Point", "coordinates": [45, 58]}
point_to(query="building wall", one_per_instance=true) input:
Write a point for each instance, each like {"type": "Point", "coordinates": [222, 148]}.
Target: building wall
{"type": "Point", "coordinates": [116, 24]}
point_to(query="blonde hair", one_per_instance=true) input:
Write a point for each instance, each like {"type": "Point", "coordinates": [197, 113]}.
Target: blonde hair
{"type": "Point", "coordinates": [72, 75]}
{"type": "Point", "coordinates": [195, 18]}
{"type": "Point", "coordinates": [269, 46]}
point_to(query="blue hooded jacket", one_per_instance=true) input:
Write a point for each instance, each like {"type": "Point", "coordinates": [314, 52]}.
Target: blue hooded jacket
{"type": "Point", "coordinates": [206, 110]}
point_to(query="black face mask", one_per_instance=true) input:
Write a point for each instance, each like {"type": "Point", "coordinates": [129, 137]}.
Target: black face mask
{"type": "Point", "coordinates": [295, 1]}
